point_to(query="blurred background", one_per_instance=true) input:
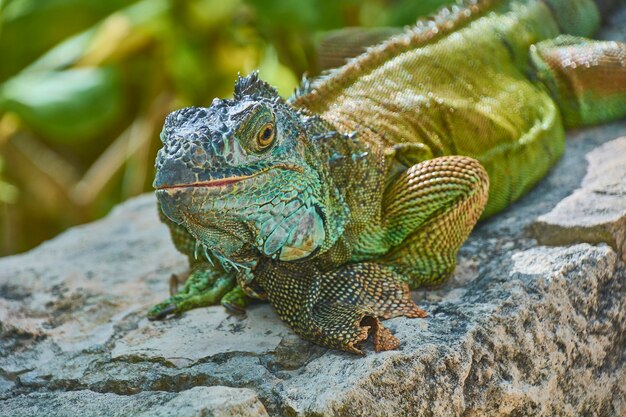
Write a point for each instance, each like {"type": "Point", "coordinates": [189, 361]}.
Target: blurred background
{"type": "Point", "coordinates": [85, 86]}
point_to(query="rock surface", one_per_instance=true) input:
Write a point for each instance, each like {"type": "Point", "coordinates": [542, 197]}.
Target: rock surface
{"type": "Point", "coordinates": [596, 212]}
{"type": "Point", "coordinates": [520, 329]}
{"type": "Point", "coordinates": [194, 402]}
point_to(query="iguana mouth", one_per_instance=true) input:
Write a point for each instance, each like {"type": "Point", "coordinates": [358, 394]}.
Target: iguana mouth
{"type": "Point", "coordinates": [222, 182]}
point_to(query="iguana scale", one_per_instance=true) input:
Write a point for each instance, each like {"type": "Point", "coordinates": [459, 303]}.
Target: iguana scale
{"type": "Point", "coordinates": [333, 204]}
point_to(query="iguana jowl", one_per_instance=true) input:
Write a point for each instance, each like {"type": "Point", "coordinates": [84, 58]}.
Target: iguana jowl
{"type": "Point", "coordinates": [364, 184]}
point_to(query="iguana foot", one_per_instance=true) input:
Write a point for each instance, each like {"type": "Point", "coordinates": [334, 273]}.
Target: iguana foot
{"type": "Point", "coordinates": [346, 327]}
{"type": "Point", "coordinates": [340, 309]}
{"type": "Point", "coordinates": [203, 288]}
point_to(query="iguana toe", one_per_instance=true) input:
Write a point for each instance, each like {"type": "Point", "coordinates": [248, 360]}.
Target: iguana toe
{"type": "Point", "coordinates": [161, 311]}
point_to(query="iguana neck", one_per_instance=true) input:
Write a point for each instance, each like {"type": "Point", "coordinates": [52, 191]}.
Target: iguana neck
{"type": "Point", "coordinates": [352, 170]}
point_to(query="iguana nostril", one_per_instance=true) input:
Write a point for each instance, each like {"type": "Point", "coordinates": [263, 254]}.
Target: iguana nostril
{"type": "Point", "coordinates": [171, 172]}
{"type": "Point", "coordinates": [199, 157]}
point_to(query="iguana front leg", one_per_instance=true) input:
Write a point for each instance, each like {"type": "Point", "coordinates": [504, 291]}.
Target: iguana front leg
{"type": "Point", "coordinates": [207, 284]}
{"type": "Point", "coordinates": [427, 213]}
{"type": "Point", "coordinates": [433, 207]}
{"type": "Point", "coordinates": [338, 309]}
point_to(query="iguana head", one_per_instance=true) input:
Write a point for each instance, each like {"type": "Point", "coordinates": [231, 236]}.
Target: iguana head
{"type": "Point", "coordinates": [242, 177]}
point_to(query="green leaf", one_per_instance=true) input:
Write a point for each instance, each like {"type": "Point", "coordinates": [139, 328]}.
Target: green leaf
{"type": "Point", "coordinates": [31, 27]}
{"type": "Point", "coordinates": [66, 105]}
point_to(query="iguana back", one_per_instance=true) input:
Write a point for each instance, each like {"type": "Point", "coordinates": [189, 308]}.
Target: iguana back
{"type": "Point", "coordinates": [459, 84]}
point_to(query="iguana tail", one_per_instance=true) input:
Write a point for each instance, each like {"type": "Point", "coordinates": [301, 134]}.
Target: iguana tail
{"type": "Point", "coordinates": [586, 78]}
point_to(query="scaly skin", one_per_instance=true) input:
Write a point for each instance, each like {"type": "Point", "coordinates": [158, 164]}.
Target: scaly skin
{"type": "Point", "coordinates": [334, 204]}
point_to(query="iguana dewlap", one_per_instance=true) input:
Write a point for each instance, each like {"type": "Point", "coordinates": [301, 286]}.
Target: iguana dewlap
{"type": "Point", "coordinates": [364, 184]}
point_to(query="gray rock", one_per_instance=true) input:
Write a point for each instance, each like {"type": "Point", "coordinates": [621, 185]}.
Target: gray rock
{"type": "Point", "coordinates": [596, 212]}
{"type": "Point", "coordinates": [198, 401]}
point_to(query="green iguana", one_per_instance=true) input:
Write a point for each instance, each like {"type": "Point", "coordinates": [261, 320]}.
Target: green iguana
{"type": "Point", "coordinates": [333, 204]}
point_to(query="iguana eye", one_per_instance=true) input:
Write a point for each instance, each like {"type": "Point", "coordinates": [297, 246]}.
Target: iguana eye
{"type": "Point", "coordinates": [265, 137]}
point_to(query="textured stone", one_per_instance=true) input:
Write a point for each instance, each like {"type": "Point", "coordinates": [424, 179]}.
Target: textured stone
{"type": "Point", "coordinates": [198, 401]}
{"type": "Point", "coordinates": [596, 212]}
{"type": "Point", "coordinates": [187, 342]}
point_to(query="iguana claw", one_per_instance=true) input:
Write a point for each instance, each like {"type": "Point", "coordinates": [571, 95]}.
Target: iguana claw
{"type": "Point", "coordinates": [158, 313]}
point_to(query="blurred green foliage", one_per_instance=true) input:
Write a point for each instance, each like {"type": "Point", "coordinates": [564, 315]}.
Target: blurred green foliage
{"type": "Point", "coordinates": [85, 86]}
